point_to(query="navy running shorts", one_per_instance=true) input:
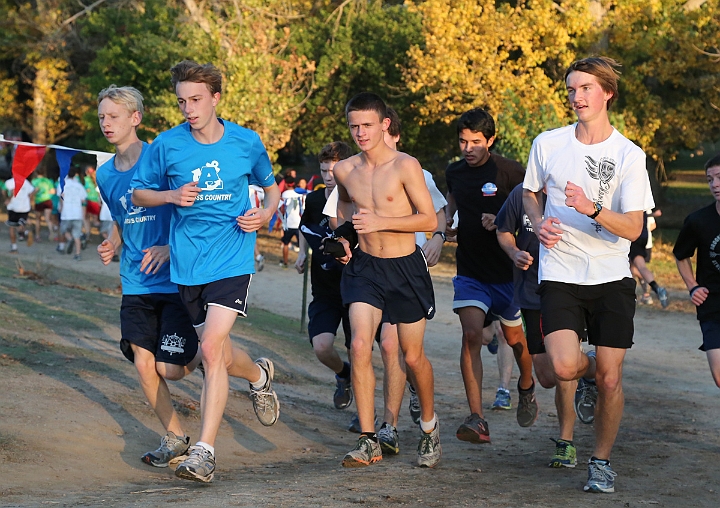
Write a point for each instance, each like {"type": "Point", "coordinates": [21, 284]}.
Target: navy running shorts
{"type": "Point", "coordinates": [325, 314]}
{"type": "Point", "coordinates": [711, 335]}
{"type": "Point", "coordinates": [159, 323]}
{"type": "Point", "coordinates": [230, 293]}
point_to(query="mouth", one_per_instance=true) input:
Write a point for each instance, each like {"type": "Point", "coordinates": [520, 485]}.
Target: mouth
{"type": "Point", "coordinates": [579, 107]}
{"type": "Point", "coordinates": [108, 134]}
{"type": "Point", "coordinates": [191, 119]}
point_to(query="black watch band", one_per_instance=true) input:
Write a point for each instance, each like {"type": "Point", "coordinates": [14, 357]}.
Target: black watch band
{"type": "Point", "coordinates": [598, 209]}
{"type": "Point", "coordinates": [441, 234]}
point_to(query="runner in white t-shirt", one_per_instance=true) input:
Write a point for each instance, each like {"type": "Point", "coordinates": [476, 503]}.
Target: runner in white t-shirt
{"type": "Point", "coordinates": [597, 190]}
{"type": "Point", "coordinates": [18, 208]}
{"type": "Point", "coordinates": [292, 203]}
{"type": "Point", "coordinates": [257, 200]}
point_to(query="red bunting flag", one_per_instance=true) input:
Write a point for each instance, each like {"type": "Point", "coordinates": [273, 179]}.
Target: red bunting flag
{"type": "Point", "coordinates": [25, 161]}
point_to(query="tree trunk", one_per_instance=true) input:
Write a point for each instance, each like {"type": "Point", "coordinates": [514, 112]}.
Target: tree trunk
{"type": "Point", "coordinates": [39, 123]}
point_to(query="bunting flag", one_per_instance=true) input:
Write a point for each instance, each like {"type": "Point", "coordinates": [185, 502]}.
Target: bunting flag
{"type": "Point", "coordinates": [25, 160]}
{"type": "Point", "coordinates": [64, 157]}
{"type": "Point", "coordinates": [28, 156]}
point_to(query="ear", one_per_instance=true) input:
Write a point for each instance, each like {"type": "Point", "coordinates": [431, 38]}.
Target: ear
{"type": "Point", "coordinates": [136, 118]}
{"type": "Point", "coordinates": [385, 124]}
{"type": "Point", "coordinates": [215, 99]}
{"type": "Point", "coordinates": [490, 141]}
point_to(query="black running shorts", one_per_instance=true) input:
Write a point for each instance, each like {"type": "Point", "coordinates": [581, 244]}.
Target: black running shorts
{"type": "Point", "coordinates": [400, 286]}
{"type": "Point", "coordinates": [230, 293]}
{"type": "Point", "coordinates": [159, 323]}
{"type": "Point", "coordinates": [325, 313]}
{"type": "Point", "coordinates": [607, 309]}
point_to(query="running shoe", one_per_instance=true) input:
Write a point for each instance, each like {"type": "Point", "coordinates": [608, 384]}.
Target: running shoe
{"type": "Point", "coordinates": [70, 247]}
{"type": "Point", "coordinates": [429, 449]}
{"type": "Point", "coordinates": [282, 265]}
{"type": "Point", "coordinates": [355, 424]}
{"type": "Point", "coordinates": [77, 257]}
{"type": "Point", "coordinates": [601, 477]}
{"type": "Point", "coordinates": [663, 297]}
{"type": "Point", "coordinates": [199, 466]}
{"type": "Point", "coordinates": [474, 430]}
{"type": "Point", "coordinates": [565, 454]}
{"type": "Point", "coordinates": [265, 401]}
{"type": "Point", "coordinates": [365, 453]}
{"type": "Point", "coordinates": [502, 399]}
{"type": "Point", "coordinates": [83, 241]}
{"type": "Point", "coordinates": [343, 396]}
{"type": "Point", "coordinates": [259, 263]}
{"type": "Point", "coordinates": [585, 400]}
{"type": "Point", "coordinates": [388, 439]}
{"type": "Point", "coordinates": [59, 249]}
{"type": "Point", "coordinates": [492, 347]}
{"type": "Point", "coordinates": [172, 449]}
{"type": "Point", "coordinates": [13, 251]}
{"type": "Point", "coordinates": [527, 411]}
{"type": "Point", "coordinates": [646, 299]}
{"type": "Point", "coordinates": [414, 405]}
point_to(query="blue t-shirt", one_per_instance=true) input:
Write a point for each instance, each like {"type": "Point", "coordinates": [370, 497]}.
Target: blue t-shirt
{"type": "Point", "coordinates": [205, 239]}
{"type": "Point", "coordinates": [141, 228]}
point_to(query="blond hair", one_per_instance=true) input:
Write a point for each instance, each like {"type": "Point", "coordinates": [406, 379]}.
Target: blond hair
{"type": "Point", "coordinates": [124, 95]}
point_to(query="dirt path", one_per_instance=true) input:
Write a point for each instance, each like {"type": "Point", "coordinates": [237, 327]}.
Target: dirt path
{"type": "Point", "coordinates": [74, 422]}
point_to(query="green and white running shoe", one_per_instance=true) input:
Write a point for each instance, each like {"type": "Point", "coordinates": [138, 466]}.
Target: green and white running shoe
{"type": "Point", "coordinates": [388, 438]}
{"type": "Point", "coordinates": [172, 449]}
{"type": "Point", "coordinates": [366, 452]}
{"type": "Point", "coordinates": [565, 454]}
{"type": "Point", "coordinates": [429, 449]}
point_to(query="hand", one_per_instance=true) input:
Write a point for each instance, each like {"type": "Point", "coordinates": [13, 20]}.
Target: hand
{"type": "Point", "coordinates": [185, 195]}
{"type": "Point", "coordinates": [488, 221]}
{"type": "Point", "coordinates": [575, 198]}
{"type": "Point", "coordinates": [699, 295]}
{"type": "Point", "coordinates": [523, 259]}
{"type": "Point", "coordinates": [548, 233]}
{"type": "Point", "coordinates": [154, 258]}
{"type": "Point", "coordinates": [253, 219]}
{"type": "Point", "coordinates": [348, 252]}
{"type": "Point", "coordinates": [366, 221]}
{"type": "Point", "coordinates": [450, 232]}
{"type": "Point", "coordinates": [433, 249]}
{"type": "Point", "coordinates": [300, 263]}
{"type": "Point", "coordinates": [106, 251]}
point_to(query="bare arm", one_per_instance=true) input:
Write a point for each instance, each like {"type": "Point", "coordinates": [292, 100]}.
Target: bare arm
{"type": "Point", "coordinates": [626, 225]}
{"type": "Point", "coordinates": [182, 196]}
{"type": "Point", "coordinates": [545, 229]}
{"type": "Point", "coordinates": [109, 246]}
{"type": "Point", "coordinates": [520, 258]}
{"type": "Point", "coordinates": [302, 255]}
{"type": "Point", "coordinates": [254, 218]}
{"type": "Point", "coordinates": [433, 247]}
{"type": "Point", "coordinates": [450, 210]}
{"type": "Point", "coordinates": [699, 294]}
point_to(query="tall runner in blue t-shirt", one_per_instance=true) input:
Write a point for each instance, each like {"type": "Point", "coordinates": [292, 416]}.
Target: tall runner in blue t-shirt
{"type": "Point", "coordinates": [208, 164]}
{"type": "Point", "coordinates": [157, 334]}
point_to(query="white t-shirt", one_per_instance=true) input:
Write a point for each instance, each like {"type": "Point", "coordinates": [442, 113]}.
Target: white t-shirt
{"type": "Point", "coordinates": [21, 202]}
{"type": "Point", "coordinates": [437, 198]}
{"type": "Point", "coordinates": [612, 173]}
{"type": "Point", "coordinates": [294, 204]}
{"type": "Point", "coordinates": [72, 200]}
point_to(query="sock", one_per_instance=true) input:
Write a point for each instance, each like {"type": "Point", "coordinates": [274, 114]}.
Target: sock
{"type": "Point", "coordinates": [13, 246]}
{"type": "Point", "coordinates": [654, 286]}
{"type": "Point", "coordinates": [371, 436]}
{"type": "Point", "coordinates": [345, 372]}
{"type": "Point", "coordinates": [599, 461]}
{"type": "Point", "coordinates": [62, 245]}
{"type": "Point", "coordinates": [428, 427]}
{"type": "Point", "coordinates": [209, 448]}
{"type": "Point", "coordinates": [258, 385]}
{"type": "Point", "coordinates": [531, 389]}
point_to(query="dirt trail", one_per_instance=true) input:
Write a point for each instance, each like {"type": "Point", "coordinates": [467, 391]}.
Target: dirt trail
{"type": "Point", "coordinates": [74, 421]}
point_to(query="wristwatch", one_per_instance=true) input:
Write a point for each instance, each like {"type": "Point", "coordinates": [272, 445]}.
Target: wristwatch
{"type": "Point", "coordinates": [441, 234]}
{"type": "Point", "coordinates": [598, 209]}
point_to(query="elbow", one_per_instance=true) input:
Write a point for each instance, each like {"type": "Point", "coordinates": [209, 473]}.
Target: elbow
{"type": "Point", "coordinates": [432, 223]}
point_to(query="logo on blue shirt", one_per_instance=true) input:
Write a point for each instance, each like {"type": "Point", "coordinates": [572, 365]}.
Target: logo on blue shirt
{"type": "Point", "coordinates": [127, 204]}
{"type": "Point", "coordinates": [208, 177]}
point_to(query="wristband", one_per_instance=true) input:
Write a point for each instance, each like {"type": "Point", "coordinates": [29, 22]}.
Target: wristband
{"type": "Point", "coordinates": [441, 234]}
{"type": "Point", "coordinates": [694, 289]}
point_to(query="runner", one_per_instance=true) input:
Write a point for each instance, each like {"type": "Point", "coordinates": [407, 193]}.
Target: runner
{"type": "Point", "coordinates": [701, 232]}
{"type": "Point", "coordinates": [208, 163]}
{"type": "Point", "coordinates": [18, 208]}
{"type": "Point", "coordinates": [597, 188]}
{"type": "Point", "coordinates": [157, 334]}
{"type": "Point", "coordinates": [478, 185]}
{"type": "Point", "coordinates": [379, 191]}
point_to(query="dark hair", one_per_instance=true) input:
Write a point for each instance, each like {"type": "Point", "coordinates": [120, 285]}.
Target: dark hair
{"type": "Point", "coordinates": [713, 162]}
{"type": "Point", "coordinates": [605, 69]}
{"type": "Point", "coordinates": [335, 151]}
{"type": "Point", "coordinates": [74, 171]}
{"type": "Point", "coordinates": [187, 70]}
{"type": "Point", "coordinates": [289, 180]}
{"type": "Point", "coordinates": [367, 101]}
{"type": "Point", "coordinates": [477, 120]}
{"type": "Point", "coordinates": [395, 123]}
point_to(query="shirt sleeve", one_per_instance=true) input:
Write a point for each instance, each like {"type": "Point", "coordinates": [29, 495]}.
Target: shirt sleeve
{"type": "Point", "coordinates": [636, 194]}
{"type": "Point", "coordinates": [262, 172]}
{"type": "Point", "coordinates": [437, 198]}
{"type": "Point", "coordinates": [687, 241]}
{"type": "Point", "coordinates": [152, 170]}
{"type": "Point", "coordinates": [507, 218]}
{"type": "Point", "coordinates": [534, 174]}
{"type": "Point", "coordinates": [332, 203]}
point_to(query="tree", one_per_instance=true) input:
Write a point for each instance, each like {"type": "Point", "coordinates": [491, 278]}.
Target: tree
{"type": "Point", "coordinates": [507, 57]}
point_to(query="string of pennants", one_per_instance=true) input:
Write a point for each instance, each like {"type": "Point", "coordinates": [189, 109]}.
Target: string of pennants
{"type": "Point", "coordinates": [28, 156]}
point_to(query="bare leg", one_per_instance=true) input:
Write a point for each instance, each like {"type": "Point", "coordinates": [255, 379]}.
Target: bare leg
{"type": "Point", "coordinates": [515, 337]}
{"type": "Point", "coordinates": [411, 337]}
{"type": "Point", "coordinates": [471, 321]}
{"type": "Point", "coordinates": [504, 358]}
{"type": "Point", "coordinates": [325, 351]}
{"type": "Point", "coordinates": [564, 394]}
{"type": "Point", "coordinates": [610, 401]}
{"type": "Point", "coordinates": [395, 377]}
{"type": "Point", "coordinates": [713, 357]}
{"type": "Point", "coordinates": [364, 320]}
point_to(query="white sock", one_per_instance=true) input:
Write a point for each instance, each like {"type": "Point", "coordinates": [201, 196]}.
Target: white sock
{"type": "Point", "coordinates": [260, 382]}
{"type": "Point", "coordinates": [209, 448]}
{"type": "Point", "coordinates": [428, 426]}
{"type": "Point", "coordinates": [13, 246]}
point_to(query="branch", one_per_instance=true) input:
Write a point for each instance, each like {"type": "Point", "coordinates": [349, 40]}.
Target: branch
{"type": "Point", "coordinates": [715, 56]}
{"type": "Point", "coordinates": [691, 5]}
{"type": "Point", "coordinates": [82, 12]}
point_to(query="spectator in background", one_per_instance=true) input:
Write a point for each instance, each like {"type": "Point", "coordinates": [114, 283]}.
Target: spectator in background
{"type": "Point", "coordinates": [291, 208]}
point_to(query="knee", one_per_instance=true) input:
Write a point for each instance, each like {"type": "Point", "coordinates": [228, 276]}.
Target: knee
{"type": "Point", "coordinates": [171, 372]}
{"type": "Point", "coordinates": [359, 348]}
{"type": "Point", "coordinates": [472, 338]}
{"type": "Point", "coordinates": [565, 371]}
{"type": "Point", "coordinates": [146, 368]}
{"type": "Point", "coordinates": [546, 379]}
{"type": "Point", "coordinates": [608, 382]}
{"type": "Point", "coordinates": [322, 348]}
